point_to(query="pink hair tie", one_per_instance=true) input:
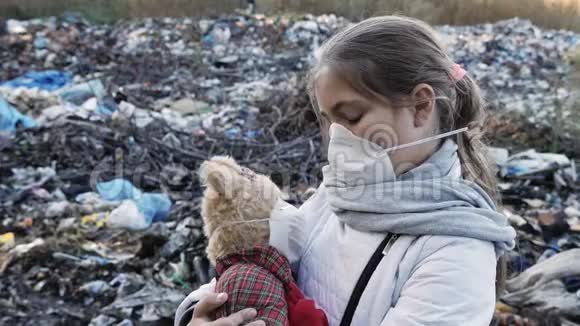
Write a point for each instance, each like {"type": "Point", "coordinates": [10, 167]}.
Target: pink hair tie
{"type": "Point", "coordinates": [457, 73]}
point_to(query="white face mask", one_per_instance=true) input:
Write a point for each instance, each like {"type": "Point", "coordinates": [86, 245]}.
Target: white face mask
{"type": "Point", "coordinates": [280, 228]}
{"type": "Point", "coordinates": [337, 131]}
{"type": "Point", "coordinates": [279, 223]}
{"type": "Point", "coordinates": [353, 160]}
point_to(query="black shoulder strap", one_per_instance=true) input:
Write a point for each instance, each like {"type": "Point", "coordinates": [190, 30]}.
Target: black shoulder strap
{"type": "Point", "coordinates": [363, 280]}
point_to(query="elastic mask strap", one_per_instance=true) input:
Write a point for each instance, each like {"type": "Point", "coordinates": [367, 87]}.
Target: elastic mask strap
{"type": "Point", "coordinates": [425, 140]}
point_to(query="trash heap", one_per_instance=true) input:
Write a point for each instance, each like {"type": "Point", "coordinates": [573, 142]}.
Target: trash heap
{"type": "Point", "coordinates": [519, 66]}
{"type": "Point", "coordinates": [103, 127]}
{"type": "Point", "coordinates": [100, 146]}
{"type": "Point", "coordinates": [540, 198]}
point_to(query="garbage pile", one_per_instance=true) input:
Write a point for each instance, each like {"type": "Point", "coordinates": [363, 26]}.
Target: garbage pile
{"type": "Point", "coordinates": [540, 199]}
{"type": "Point", "coordinates": [103, 127]}
{"type": "Point", "coordinates": [103, 130]}
{"type": "Point", "coordinates": [519, 66]}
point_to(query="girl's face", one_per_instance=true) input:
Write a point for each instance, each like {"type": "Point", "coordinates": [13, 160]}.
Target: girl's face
{"type": "Point", "coordinates": [378, 121]}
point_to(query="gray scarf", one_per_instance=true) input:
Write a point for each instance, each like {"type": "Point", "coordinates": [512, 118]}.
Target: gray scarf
{"type": "Point", "coordinates": [431, 199]}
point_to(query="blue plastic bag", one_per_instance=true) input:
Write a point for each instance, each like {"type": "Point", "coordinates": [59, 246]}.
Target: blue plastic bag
{"type": "Point", "coordinates": [48, 80]}
{"type": "Point", "coordinates": [106, 106]}
{"type": "Point", "coordinates": [10, 117]}
{"type": "Point", "coordinates": [154, 206]}
{"type": "Point", "coordinates": [117, 190]}
{"type": "Point", "coordinates": [79, 93]}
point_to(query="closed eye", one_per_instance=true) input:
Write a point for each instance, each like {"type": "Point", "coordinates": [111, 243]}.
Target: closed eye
{"type": "Point", "coordinates": [351, 111]}
{"type": "Point", "coordinates": [354, 120]}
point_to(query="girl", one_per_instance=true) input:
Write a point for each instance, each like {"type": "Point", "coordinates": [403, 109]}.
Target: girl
{"type": "Point", "coordinates": [403, 229]}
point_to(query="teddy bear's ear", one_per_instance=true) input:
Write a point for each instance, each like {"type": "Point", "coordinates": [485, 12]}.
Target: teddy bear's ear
{"type": "Point", "coordinates": [219, 173]}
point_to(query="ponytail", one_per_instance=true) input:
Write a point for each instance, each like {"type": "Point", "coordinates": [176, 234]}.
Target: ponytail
{"type": "Point", "coordinates": [473, 153]}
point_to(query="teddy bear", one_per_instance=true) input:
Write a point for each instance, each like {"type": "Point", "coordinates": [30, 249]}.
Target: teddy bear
{"type": "Point", "coordinates": [236, 208]}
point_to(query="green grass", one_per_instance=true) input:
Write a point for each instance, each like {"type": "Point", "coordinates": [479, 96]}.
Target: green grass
{"type": "Point", "coordinates": [547, 13]}
{"type": "Point", "coordinates": [97, 10]}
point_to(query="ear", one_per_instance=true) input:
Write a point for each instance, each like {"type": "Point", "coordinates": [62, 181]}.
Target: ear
{"type": "Point", "coordinates": [424, 98]}
{"type": "Point", "coordinates": [211, 174]}
{"type": "Point", "coordinates": [221, 173]}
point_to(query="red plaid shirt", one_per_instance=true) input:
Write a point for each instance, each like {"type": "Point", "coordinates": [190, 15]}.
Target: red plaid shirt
{"type": "Point", "coordinates": [261, 278]}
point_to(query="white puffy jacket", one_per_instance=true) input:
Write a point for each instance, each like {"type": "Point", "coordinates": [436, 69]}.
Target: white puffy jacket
{"type": "Point", "coordinates": [425, 280]}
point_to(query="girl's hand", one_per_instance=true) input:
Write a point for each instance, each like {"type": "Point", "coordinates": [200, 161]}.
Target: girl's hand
{"type": "Point", "coordinates": [212, 301]}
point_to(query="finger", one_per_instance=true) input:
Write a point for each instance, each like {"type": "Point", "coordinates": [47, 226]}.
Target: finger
{"type": "Point", "coordinates": [257, 323]}
{"type": "Point", "coordinates": [209, 303]}
{"type": "Point", "coordinates": [238, 318]}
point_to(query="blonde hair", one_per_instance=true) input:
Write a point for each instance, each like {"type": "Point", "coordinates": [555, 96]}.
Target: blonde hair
{"type": "Point", "coordinates": [388, 56]}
